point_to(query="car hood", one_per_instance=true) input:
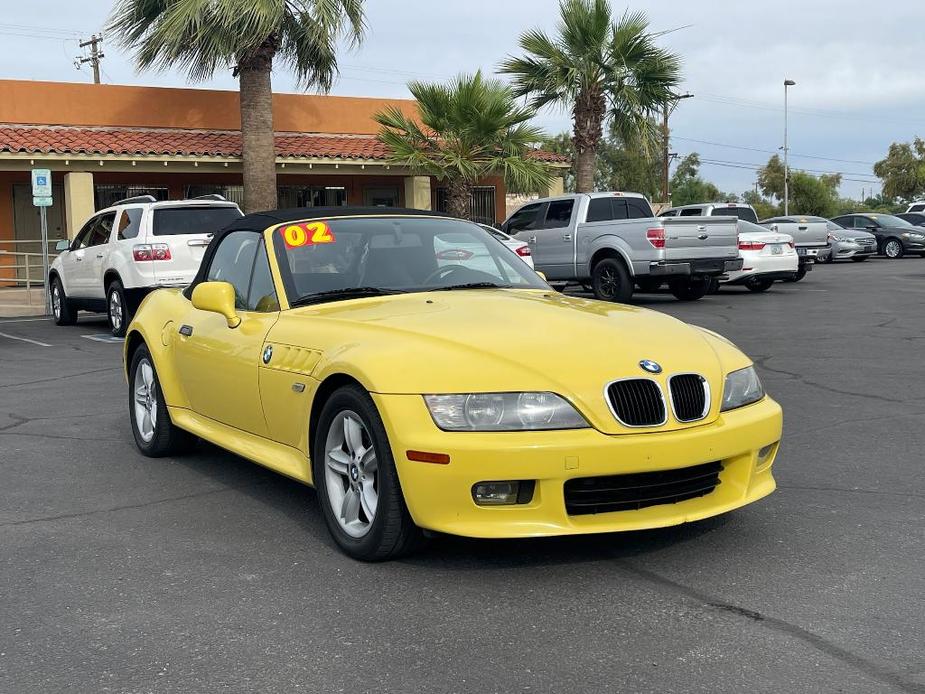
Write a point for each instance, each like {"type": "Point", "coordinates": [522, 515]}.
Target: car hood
{"type": "Point", "coordinates": [852, 235]}
{"type": "Point", "coordinates": [504, 340]}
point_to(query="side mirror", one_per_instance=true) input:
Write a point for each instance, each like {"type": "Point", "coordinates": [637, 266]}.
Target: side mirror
{"type": "Point", "coordinates": [541, 274]}
{"type": "Point", "coordinates": [217, 297]}
{"type": "Point", "coordinates": [62, 246]}
{"type": "Point", "coordinates": [774, 227]}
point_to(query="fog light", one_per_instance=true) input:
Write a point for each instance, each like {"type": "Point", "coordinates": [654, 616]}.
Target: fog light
{"type": "Point", "coordinates": [504, 493]}
{"type": "Point", "coordinates": [495, 493]}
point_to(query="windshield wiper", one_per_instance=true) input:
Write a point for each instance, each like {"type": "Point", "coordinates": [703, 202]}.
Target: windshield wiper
{"type": "Point", "coordinates": [472, 285]}
{"type": "Point", "coordinates": [340, 294]}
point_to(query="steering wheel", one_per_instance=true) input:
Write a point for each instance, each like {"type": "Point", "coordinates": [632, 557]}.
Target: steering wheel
{"type": "Point", "coordinates": [442, 273]}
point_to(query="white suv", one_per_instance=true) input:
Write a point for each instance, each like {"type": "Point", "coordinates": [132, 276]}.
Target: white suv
{"type": "Point", "coordinates": [130, 249]}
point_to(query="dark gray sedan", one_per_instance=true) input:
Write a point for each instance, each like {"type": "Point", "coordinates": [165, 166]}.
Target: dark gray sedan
{"type": "Point", "coordinates": [895, 236]}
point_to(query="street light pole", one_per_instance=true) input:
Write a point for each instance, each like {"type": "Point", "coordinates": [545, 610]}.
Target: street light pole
{"type": "Point", "coordinates": [787, 83]}
{"type": "Point", "coordinates": [669, 107]}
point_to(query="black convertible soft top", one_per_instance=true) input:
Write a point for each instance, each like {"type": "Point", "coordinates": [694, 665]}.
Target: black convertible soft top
{"type": "Point", "coordinates": [260, 221]}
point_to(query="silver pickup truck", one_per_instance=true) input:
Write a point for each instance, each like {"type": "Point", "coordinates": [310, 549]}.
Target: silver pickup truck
{"type": "Point", "coordinates": [613, 243]}
{"type": "Point", "coordinates": [810, 237]}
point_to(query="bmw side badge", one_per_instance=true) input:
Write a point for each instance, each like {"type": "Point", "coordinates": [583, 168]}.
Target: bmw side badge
{"type": "Point", "coordinates": [267, 354]}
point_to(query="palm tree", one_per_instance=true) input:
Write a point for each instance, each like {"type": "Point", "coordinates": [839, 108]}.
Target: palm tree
{"type": "Point", "coordinates": [247, 36]}
{"type": "Point", "coordinates": [467, 130]}
{"type": "Point", "coordinates": [600, 69]}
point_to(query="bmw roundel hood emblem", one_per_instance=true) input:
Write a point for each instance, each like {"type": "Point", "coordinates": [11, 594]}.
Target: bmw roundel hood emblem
{"type": "Point", "coordinates": [267, 354]}
{"type": "Point", "coordinates": [653, 367]}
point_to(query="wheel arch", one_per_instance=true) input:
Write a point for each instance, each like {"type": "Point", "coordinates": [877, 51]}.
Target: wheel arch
{"type": "Point", "coordinates": [610, 252]}
{"type": "Point", "coordinates": [111, 275]}
{"type": "Point", "coordinates": [323, 392]}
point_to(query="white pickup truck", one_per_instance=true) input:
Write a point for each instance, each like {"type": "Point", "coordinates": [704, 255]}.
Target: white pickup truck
{"type": "Point", "coordinates": [130, 249]}
{"type": "Point", "coordinates": [613, 243]}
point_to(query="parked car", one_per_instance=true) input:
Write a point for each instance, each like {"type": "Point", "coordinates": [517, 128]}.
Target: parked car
{"type": "Point", "coordinates": [714, 209]}
{"type": "Point", "coordinates": [811, 238]}
{"type": "Point", "coordinates": [895, 236]}
{"type": "Point", "coordinates": [767, 256]}
{"type": "Point", "coordinates": [612, 241]}
{"type": "Point", "coordinates": [417, 393]}
{"type": "Point", "coordinates": [914, 218]}
{"type": "Point", "coordinates": [918, 206]}
{"type": "Point", "coordinates": [129, 249]}
{"type": "Point", "coordinates": [521, 248]}
{"type": "Point", "coordinates": [842, 243]}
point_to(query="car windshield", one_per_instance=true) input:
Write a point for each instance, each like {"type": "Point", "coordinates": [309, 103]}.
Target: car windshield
{"type": "Point", "coordinates": [746, 213]}
{"type": "Point", "coordinates": [345, 257]}
{"type": "Point", "coordinates": [198, 219]}
{"type": "Point", "coordinates": [748, 227]}
{"type": "Point", "coordinates": [888, 220]}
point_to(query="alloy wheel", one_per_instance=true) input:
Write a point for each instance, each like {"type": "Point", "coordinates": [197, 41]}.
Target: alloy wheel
{"type": "Point", "coordinates": [892, 249]}
{"type": "Point", "coordinates": [351, 474]}
{"type": "Point", "coordinates": [608, 282]}
{"type": "Point", "coordinates": [145, 401]}
{"type": "Point", "coordinates": [115, 311]}
{"type": "Point", "coordinates": [56, 301]}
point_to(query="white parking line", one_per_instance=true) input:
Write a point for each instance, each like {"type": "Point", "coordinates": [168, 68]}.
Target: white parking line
{"type": "Point", "coordinates": [23, 320]}
{"type": "Point", "coordinates": [26, 339]}
{"type": "Point", "coordinates": [105, 338]}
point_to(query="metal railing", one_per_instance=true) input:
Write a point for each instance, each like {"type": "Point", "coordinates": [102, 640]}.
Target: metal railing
{"type": "Point", "coordinates": [25, 270]}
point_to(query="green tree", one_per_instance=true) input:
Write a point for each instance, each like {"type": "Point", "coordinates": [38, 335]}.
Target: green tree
{"type": "Point", "coordinates": [469, 129]}
{"type": "Point", "coordinates": [687, 186]}
{"type": "Point", "coordinates": [249, 37]}
{"type": "Point", "coordinates": [903, 170]}
{"type": "Point", "coordinates": [620, 166]}
{"type": "Point", "coordinates": [810, 195]}
{"type": "Point", "coordinates": [602, 71]}
{"type": "Point", "coordinates": [764, 208]}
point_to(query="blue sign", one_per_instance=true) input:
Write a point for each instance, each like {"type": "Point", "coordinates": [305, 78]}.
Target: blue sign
{"type": "Point", "coordinates": [41, 183]}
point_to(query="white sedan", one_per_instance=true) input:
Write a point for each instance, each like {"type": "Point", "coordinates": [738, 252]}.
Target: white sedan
{"type": "Point", "coordinates": [521, 248]}
{"type": "Point", "coordinates": [767, 256]}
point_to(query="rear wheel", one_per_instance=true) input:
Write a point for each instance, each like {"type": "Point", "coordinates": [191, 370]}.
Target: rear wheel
{"type": "Point", "coordinates": [61, 308]}
{"type": "Point", "coordinates": [155, 435]}
{"type": "Point", "coordinates": [117, 308]}
{"type": "Point", "coordinates": [893, 249]}
{"type": "Point", "coordinates": [798, 275]}
{"type": "Point", "coordinates": [357, 483]}
{"type": "Point", "coordinates": [690, 289]}
{"type": "Point", "coordinates": [610, 281]}
{"type": "Point", "coordinates": [759, 284]}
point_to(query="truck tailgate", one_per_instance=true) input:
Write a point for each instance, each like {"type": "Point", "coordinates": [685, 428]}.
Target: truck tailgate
{"type": "Point", "coordinates": [701, 237]}
{"type": "Point", "coordinates": [810, 234]}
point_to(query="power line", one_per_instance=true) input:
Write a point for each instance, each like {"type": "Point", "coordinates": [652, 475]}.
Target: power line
{"type": "Point", "coordinates": [757, 167]}
{"type": "Point", "coordinates": [769, 151]}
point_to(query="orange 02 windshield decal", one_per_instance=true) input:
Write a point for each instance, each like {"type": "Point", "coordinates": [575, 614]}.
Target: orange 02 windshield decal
{"type": "Point", "coordinates": [306, 234]}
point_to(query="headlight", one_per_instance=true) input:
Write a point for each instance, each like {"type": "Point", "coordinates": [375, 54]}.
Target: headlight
{"type": "Point", "coordinates": [503, 412]}
{"type": "Point", "coordinates": [742, 387]}
{"type": "Point", "coordinates": [836, 237]}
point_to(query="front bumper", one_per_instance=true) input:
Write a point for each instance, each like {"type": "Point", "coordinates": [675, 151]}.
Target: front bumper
{"type": "Point", "coordinates": [439, 497]}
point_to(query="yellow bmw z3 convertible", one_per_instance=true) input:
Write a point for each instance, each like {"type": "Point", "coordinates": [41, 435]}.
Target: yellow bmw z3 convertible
{"type": "Point", "coordinates": [422, 377]}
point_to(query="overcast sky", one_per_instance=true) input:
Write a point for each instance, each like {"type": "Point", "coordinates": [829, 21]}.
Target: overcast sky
{"type": "Point", "coordinates": [858, 67]}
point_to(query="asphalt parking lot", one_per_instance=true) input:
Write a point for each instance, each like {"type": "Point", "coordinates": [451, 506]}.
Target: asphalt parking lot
{"type": "Point", "coordinates": [125, 574]}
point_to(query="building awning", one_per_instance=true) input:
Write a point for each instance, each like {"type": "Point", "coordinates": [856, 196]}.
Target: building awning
{"type": "Point", "coordinates": [153, 142]}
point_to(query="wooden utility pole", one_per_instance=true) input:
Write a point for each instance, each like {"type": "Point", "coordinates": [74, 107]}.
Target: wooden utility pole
{"type": "Point", "coordinates": [666, 155]}
{"type": "Point", "coordinates": [95, 56]}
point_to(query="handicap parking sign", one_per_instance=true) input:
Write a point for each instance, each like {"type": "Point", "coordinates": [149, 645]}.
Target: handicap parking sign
{"type": "Point", "coordinates": [41, 183]}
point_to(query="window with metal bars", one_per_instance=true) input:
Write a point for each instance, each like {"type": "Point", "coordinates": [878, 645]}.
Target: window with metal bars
{"type": "Point", "coordinates": [481, 204]}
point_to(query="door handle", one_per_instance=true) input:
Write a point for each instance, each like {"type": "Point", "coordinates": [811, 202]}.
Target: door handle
{"type": "Point", "coordinates": [79, 258]}
{"type": "Point", "coordinates": [701, 227]}
{"type": "Point", "coordinates": [99, 255]}
{"type": "Point", "coordinates": [186, 330]}
{"type": "Point", "coordinates": [199, 242]}
{"type": "Point", "coordinates": [703, 237]}
{"type": "Point", "coordinates": [802, 228]}
{"type": "Point", "coordinates": [566, 237]}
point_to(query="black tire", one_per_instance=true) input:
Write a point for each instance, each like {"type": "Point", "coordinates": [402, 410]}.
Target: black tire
{"type": "Point", "coordinates": [648, 284]}
{"type": "Point", "coordinates": [392, 532]}
{"type": "Point", "coordinates": [800, 274]}
{"type": "Point", "coordinates": [117, 308]}
{"type": "Point", "coordinates": [863, 258]}
{"type": "Point", "coordinates": [166, 438]}
{"type": "Point", "coordinates": [714, 286]}
{"type": "Point", "coordinates": [692, 289]}
{"type": "Point", "coordinates": [759, 284]}
{"type": "Point", "coordinates": [61, 307]}
{"type": "Point", "coordinates": [610, 281]}
{"type": "Point", "coordinates": [893, 249]}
